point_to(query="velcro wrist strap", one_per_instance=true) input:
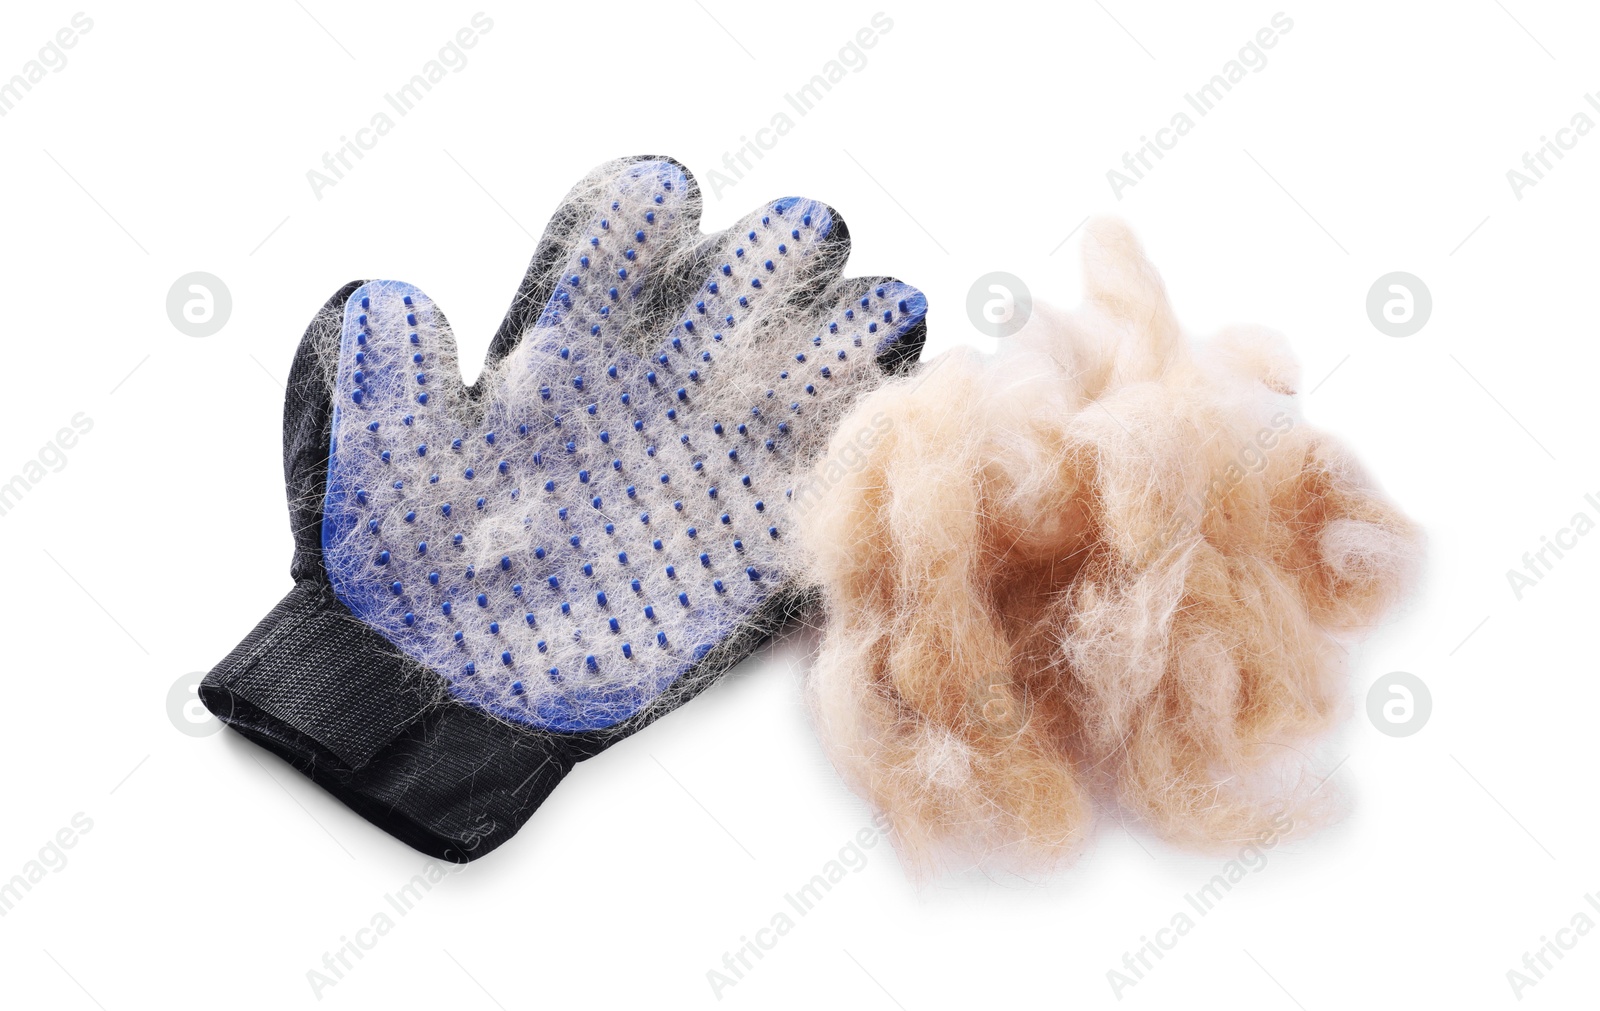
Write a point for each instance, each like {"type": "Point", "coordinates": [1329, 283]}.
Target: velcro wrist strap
{"type": "Point", "coordinates": [311, 670]}
{"type": "Point", "coordinates": [322, 691]}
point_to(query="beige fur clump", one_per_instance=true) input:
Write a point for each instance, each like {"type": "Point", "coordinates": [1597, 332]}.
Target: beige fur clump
{"type": "Point", "coordinates": [1105, 562]}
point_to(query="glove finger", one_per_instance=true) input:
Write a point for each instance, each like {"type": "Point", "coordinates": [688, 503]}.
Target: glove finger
{"type": "Point", "coordinates": [775, 327]}
{"type": "Point", "coordinates": [306, 411]}
{"type": "Point", "coordinates": [853, 331]}
{"type": "Point", "coordinates": [781, 395]}
{"type": "Point", "coordinates": [636, 220]}
{"type": "Point", "coordinates": [397, 358]}
{"type": "Point", "coordinates": [397, 386]}
{"type": "Point", "coordinates": [759, 276]}
{"type": "Point", "coordinates": [755, 281]}
{"type": "Point", "coordinates": [570, 227]}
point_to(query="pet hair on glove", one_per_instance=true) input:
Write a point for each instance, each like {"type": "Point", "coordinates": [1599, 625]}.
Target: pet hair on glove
{"type": "Point", "coordinates": [494, 582]}
{"type": "Point", "coordinates": [1105, 562]}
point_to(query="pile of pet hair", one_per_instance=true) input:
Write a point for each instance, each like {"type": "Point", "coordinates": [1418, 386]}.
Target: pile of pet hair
{"type": "Point", "coordinates": [1105, 566]}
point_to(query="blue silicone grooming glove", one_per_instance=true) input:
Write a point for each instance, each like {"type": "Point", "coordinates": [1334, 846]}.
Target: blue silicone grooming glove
{"type": "Point", "coordinates": [495, 582]}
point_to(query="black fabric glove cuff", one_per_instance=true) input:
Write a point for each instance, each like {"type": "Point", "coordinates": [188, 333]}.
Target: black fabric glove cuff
{"type": "Point", "coordinates": [311, 674]}
{"type": "Point", "coordinates": [319, 688]}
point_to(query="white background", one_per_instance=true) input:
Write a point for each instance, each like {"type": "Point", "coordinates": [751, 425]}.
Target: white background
{"type": "Point", "coordinates": [1377, 138]}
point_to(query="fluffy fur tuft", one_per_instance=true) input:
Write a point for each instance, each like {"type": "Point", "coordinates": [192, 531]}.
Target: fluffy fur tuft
{"type": "Point", "coordinates": [1105, 562]}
